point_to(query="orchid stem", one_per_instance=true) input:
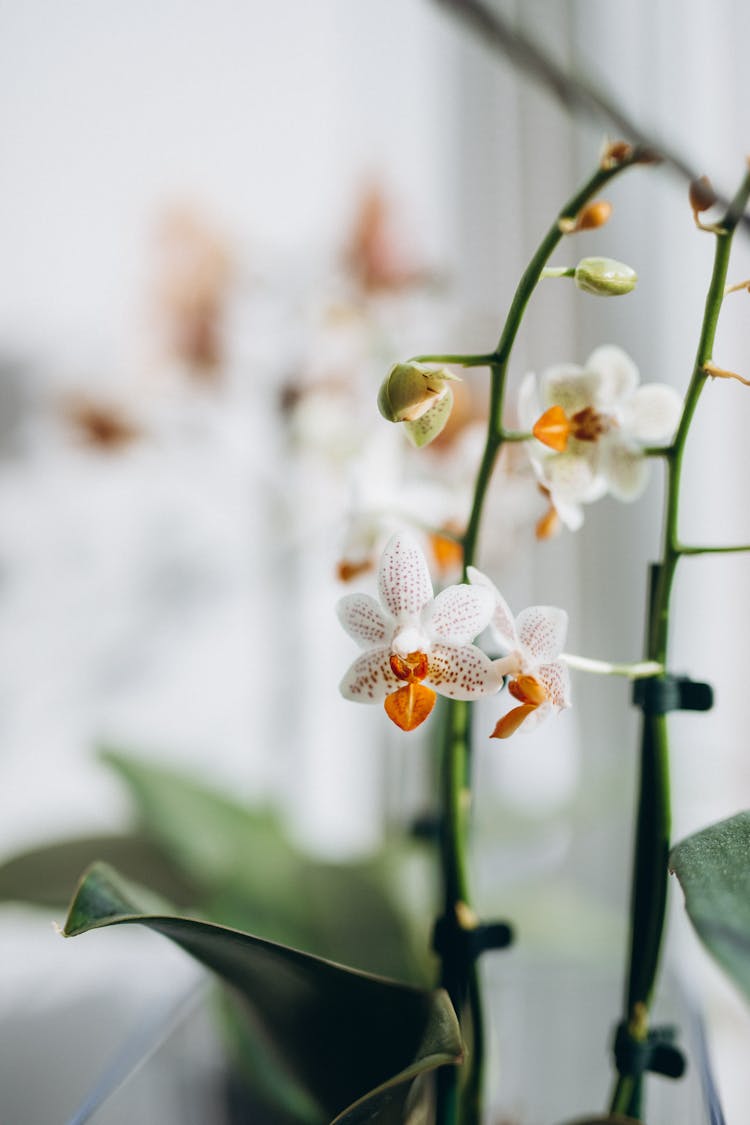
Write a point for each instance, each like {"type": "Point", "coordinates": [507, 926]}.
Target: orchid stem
{"type": "Point", "coordinates": [459, 970]}
{"type": "Point", "coordinates": [642, 670]}
{"type": "Point", "coordinates": [650, 874]}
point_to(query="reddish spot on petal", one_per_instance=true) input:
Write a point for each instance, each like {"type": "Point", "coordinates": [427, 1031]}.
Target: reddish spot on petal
{"type": "Point", "coordinates": [553, 429]}
{"type": "Point", "coordinates": [410, 705]}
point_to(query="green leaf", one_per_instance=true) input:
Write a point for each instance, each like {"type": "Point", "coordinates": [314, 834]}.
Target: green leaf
{"type": "Point", "coordinates": [713, 870]}
{"type": "Point", "coordinates": [254, 879]}
{"type": "Point", "coordinates": [349, 1044]}
{"type": "Point", "coordinates": [48, 876]}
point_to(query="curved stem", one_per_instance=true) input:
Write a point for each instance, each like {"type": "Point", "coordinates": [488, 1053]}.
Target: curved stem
{"type": "Point", "coordinates": [458, 360]}
{"type": "Point", "coordinates": [458, 969]}
{"type": "Point", "coordinates": [650, 874]}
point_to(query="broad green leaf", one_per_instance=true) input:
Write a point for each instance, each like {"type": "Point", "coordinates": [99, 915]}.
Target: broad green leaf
{"type": "Point", "coordinates": [254, 879]}
{"type": "Point", "coordinates": [349, 1044]}
{"type": "Point", "coordinates": [48, 875]}
{"type": "Point", "coordinates": [713, 867]}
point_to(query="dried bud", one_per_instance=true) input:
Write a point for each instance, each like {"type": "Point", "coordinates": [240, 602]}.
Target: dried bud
{"type": "Point", "coordinates": [418, 396]}
{"type": "Point", "coordinates": [614, 153]}
{"type": "Point", "coordinates": [702, 195]}
{"type": "Point", "coordinates": [604, 277]}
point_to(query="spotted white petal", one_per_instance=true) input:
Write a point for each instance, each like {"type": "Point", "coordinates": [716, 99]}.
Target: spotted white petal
{"type": "Point", "coordinates": [462, 672]}
{"type": "Point", "coordinates": [502, 622]}
{"type": "Point", "coordinates": [570, 387]}
{"type": "Point", "coordinates": [458, 614]}
{"type": "Point", "coordinates": [573, 478]}
{"type": "Point", "coordinates": [363, 620]}
{"type": "Point", "coordinates": [652, 414]}
{"type": "Point", "coordinates": [370, 678]}
{"type": "Point", "coordinates": [556, 679]}
{"type": "Point", "coordinates": [404, 581]}
{"type": "Point", "coordinates": [541, 632]}
{"type": "Point", "coordinates": [625, 469]}
{"type": "Point", "coordinates": [618, 376]}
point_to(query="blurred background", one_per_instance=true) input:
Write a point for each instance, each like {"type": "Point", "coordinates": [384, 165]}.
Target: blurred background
{"type": "Point", "coordinates": [219, 227]}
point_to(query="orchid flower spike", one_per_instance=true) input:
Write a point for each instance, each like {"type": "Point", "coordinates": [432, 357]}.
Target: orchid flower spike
{"type": "Point", "coordinates": [415, 644]}
{"type": "Point", "coordinates": [532, 643]}
{"type": "Point", "coordinates": [595, 422]}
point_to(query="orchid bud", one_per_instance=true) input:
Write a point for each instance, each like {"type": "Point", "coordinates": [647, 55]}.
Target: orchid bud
{"type": "Point", "coordinates": [418, 396]}
{"type": "Point", "coordinates": [604, 277]}
{"type": "Point", "coordinates": [702, 195]}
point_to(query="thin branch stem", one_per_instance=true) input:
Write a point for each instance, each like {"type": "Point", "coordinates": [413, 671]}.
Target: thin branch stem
{"type": "Point", "coordinates": [734, 550]}
{"type": "Point", "coordinates": [649, 890]}
{"type": "Point", "coordinates": [642, 670]}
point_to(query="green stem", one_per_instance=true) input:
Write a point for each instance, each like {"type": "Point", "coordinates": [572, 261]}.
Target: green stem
{"type": "Point", "coordinates": [458, 360]}
{"type": "Point", "coordinates": [650, 873]}
{"type": "Point", "coordinates": [682, 550]}
{"type": "Point", "coordinates": [458, 969]}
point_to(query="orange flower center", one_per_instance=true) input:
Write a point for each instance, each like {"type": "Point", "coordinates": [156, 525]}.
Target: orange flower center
{"type": "Point", "coordinates": [554, 428]}
{"type": "Point", "coordinates": [409, 705]}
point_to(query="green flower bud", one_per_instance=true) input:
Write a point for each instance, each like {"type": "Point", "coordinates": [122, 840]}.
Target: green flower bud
{"type": "Point", "coordinates": [604, 277]}
{"type": "Point", "coordinates": [410, 390]}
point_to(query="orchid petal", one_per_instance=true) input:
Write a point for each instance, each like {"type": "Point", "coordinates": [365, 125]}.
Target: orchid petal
{"type": "Point", "coordinates": [363, 619]}
{"type": "Point", "coordinates": [626, 470]}
{"type": "Point", "coordinates": [618, 375]}
{"type": "Point", "coordinates": [573, 477]}
{"type": "Point", "coordinates": [502, 622]}
{"type": "Point", "coordinates": [459, 613]}
{"type": "Point", "coordinates": [541, 631]}
{"type": "Point", "coordinates": [570, 387]}
{"type": "Point", "coordinates": [462, 672]}
{"type": "Point", "coordinates": [556, 680]}
{"type": "Point", "coordinates": [370, 677]}
{"type": "Point", "coordinates": [653, 413]}
{"type": "Point", "coordinates": [404, 581]}
{"type": "Point", "coordinates": [570, 514]}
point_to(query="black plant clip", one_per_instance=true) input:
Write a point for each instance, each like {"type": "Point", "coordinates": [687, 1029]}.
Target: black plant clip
{"type": "Point", "coordinates": [472, 941]}
{"type": "Point", "coordinates": [657, 695]}
{"type": "Point", "coordinates": [656, 1053]}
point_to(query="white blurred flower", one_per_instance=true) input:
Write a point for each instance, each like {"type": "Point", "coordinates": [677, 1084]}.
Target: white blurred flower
{"type": "Point", "coordinates": [595, 421]}
{"type": "Point", "coordinates": [532, 643]}
{"type": "Point", "coordinates": [416, 644]}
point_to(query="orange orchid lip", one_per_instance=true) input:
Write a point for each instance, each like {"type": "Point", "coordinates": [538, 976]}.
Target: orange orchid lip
{"type": "Point", "coordinates": [553, 429]}
{"type": "Point", "coordinates": [527, 689]}
{"type": "Point", "coordinates": [410, 705]}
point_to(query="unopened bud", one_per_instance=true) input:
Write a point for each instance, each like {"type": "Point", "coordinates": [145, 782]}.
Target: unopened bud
{"type": "Point", "coordinates": [702, 194]}
{"type": "Point", "coordinates": [418, 396]}
{"type": "Point", "coordinates": [594, 215]}
{"type": "Point", "coordinates": [604, 277]}
{"type": "Point", "coordinates": [410, 389]}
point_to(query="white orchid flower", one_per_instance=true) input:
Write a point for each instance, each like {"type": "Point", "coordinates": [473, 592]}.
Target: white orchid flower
{"type": "Point", "coordinates": [532, 643]}
{"type": "Point", "coordinates": [416, 644]}
{"type": "Point", "coordinates": [595, 421]}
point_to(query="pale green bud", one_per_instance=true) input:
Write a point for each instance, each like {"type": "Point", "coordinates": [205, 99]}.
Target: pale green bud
{"type": "Point", "coordinates": [604, 277]}
{"type": "Point", "coordinates": [409, 390]}
{"type": "Point", "coordinates": [428, 425]}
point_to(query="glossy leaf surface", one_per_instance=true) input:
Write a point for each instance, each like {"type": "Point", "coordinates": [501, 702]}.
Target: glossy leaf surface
{"type": "Point", "coordinates": [344, 1045]}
